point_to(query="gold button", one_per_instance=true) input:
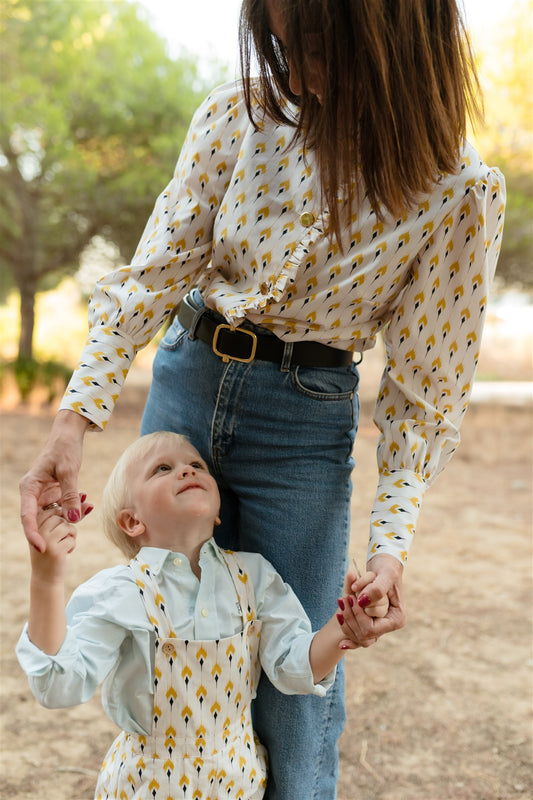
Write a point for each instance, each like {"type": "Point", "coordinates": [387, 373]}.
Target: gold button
{"type": "Point", "coordinates": [263, 288]}
{"type": "Point", "coordinates": [204, 612]}
{"type": "Point", "coordinates": [177, 562]}
{"type": "Point", "coordinates": [307, 219]}
{"type": "Point", "coordinates": [169, 649]}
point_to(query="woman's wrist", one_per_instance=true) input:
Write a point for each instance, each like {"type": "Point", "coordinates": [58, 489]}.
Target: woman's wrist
{"type": "Point", "coordinates": [67, 420]}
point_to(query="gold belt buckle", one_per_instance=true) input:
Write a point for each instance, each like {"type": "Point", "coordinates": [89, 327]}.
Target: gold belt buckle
{"type": "Point", "coordinates": [224, 356]}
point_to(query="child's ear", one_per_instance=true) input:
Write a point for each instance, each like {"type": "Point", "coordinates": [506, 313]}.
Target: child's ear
{"type": "Point", "coordinates": [218, 521]}
{"type": "Point", "coordinates": [128, 522]}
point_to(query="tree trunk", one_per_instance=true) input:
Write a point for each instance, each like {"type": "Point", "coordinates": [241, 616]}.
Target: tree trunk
{"type": "Point", "coordinates": [27, 318]}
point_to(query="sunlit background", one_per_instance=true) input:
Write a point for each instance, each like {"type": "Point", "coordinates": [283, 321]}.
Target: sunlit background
{"type": "Point", "coordinates": [205, 33]}
{"type": "Point", "coordinates": [209, 27]}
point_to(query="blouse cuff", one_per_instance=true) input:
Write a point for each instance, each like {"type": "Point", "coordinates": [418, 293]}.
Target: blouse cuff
{"type": "Point", "coordinates": [395, 513]}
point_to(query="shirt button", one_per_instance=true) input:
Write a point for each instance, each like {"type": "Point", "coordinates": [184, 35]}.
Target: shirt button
{"type": "Point", "coordinates": [307, 219]}
{"type": "Point", "coordinates": [204, 612]}
{"type": "Point", "coordinates": [263, 288]}
{"type": "Point", "coordinates": [169, 649]}
{"type": "Point", "coordinates": [177, 562]}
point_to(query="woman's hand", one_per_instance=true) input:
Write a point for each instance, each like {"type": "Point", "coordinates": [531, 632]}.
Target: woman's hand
{"type": "Point", "coordinates": [351, 617]}
{"type": "Point", "coordinates": [54, 476]}
{"type": "Point", "coordinates": [382, 583]}
{"type": "Point", "coordinates": [386, 584]}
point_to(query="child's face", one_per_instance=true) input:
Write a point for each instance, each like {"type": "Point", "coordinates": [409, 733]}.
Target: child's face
{"type": "Point", "coordinates": [173, 495]}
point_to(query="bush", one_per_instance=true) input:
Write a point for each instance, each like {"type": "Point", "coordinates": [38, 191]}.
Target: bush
{"type": "Point", "coordinates": [29, 374]}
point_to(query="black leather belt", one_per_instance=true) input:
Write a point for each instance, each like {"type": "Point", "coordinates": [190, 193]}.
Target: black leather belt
{"type": "Point", "coordinates": [246, 344]}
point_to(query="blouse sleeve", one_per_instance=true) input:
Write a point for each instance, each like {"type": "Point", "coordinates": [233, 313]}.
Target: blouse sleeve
{"type": "Point", "coordinates": [129, 305]}
{"type": "Point", "coordinates": [432, 345]}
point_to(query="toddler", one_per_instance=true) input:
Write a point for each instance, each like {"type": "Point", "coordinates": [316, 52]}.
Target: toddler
{"type": "Point", "coordinates": [177, 637]}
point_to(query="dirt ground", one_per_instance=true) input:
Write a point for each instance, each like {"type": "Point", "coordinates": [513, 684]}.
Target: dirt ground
{"type": "Point", "coordinates": [438, 711]}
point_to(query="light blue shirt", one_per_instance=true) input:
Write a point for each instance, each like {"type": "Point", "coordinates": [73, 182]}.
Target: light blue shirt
{"type": "Point", "coordinates": [110, 640]}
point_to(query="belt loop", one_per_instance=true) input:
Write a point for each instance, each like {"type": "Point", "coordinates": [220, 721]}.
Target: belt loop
{"type": "Point", "coordinates": [195, 320]}
{"type": "Point", "coordinates": [287, 357]}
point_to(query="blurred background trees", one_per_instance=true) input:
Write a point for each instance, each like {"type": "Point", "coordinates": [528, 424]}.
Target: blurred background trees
{"type": "Point", "coordinates": [93, 115]}
{"type": "Point", "coordinates": [506, 67]}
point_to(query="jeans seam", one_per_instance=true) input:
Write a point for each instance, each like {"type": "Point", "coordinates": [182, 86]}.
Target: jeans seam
{"type": "Point", "coordinates": [330, 695]}
{"type": "Point", "coordinates": [318, 767]}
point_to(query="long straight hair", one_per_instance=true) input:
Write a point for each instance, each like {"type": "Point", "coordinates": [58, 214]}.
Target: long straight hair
{"type": "Point", "coordinates": [399, 84]}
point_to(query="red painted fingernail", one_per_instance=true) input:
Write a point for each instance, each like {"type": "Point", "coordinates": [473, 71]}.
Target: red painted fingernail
{"type": "Point", "coordinates": [340, 603]}
{"type": "Point", "coordinates": [363, 601]}
{"type": "Point", "coordinates": [350, 600]}
{"type": "Point", "coordinates": [88, 510]}
{"type": "Point", "coordinates": [73, 515]}
{"type": "Point", "coordinates": [83, 498]}
{"type": "Point", "coordinates": [340, 619]}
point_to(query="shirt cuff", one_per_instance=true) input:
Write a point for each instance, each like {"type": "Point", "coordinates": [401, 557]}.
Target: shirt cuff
{"type": "Point", "coordinates": [88, 396]}
{"type": "Point", "coordinates": [97, 381]}
{"type": "Point", "coordinates": [37, 663]}
{"type": "Point", "coordinates": [295, 675]}
{"type": "Point", "coordinates": [395, 513]}
{"type": "Point", "coordinates": [320, 689]}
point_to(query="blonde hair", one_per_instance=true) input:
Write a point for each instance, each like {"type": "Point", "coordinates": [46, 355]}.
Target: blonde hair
{"type": "Point", "coordinates": [116, 495]}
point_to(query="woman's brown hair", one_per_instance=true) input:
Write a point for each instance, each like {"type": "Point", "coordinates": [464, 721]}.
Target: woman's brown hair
{"type": "Point", "coordinates": [398, 86]}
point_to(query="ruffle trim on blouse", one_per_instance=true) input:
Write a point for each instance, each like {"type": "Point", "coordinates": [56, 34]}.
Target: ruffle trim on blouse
{"type": "Point", "coordinates": [235, 313]}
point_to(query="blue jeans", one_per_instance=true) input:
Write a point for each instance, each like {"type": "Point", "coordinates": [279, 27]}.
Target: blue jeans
{"type": "Point", "coordinates": [279, 440]}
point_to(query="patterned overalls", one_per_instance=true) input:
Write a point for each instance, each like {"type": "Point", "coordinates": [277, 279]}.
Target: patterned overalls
{"type": "Point", "coordinates": [202, 745]}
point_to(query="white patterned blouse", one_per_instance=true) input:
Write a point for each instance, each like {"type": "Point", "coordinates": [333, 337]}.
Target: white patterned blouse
{"type": "Point", "coordinates": [241, 218]}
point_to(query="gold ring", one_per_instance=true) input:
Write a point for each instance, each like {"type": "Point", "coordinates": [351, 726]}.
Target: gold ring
{"type": "Point", "coordinates": [50, 506]}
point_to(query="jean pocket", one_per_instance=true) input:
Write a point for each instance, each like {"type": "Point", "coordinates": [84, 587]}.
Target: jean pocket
{"type": "Point", "coordinates": [326, 383]}
{"type": "Point", "coordinates": [174, 336]}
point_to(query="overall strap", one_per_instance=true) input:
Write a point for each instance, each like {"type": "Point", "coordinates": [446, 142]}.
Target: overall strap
{"type": "Point", "coordinates": [243, 585]}
{"type": "Point", "coordinates": [153, 599]}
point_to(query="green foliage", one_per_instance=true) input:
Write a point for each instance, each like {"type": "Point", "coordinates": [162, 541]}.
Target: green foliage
{"type": "Point", "coordinates": [515, 265]}
{"type": "Point", "coordinates": [29, 374]}
{"type": "Point", "coordinates": [507, 139]}
{"type": "Point", "coordinates": [92, 118]}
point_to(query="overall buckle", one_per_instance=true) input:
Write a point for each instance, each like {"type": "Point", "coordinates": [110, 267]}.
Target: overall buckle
{"type": "Point", "coordinates": [225, 356]}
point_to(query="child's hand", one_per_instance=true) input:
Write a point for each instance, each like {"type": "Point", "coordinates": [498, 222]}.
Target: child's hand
{"type": "Point", "coordinates": [60, 538]}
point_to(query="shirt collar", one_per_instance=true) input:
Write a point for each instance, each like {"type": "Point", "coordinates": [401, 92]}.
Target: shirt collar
{"type": "Point", "coordinates": [212, 550]}
{"type": "Point", "coordinates": [156, 557]}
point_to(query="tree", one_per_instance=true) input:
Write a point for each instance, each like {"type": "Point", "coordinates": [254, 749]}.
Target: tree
{"type": "Point", "coordinates": [92, 118]}
{"type": "Point", "coordinates": [507, 139]}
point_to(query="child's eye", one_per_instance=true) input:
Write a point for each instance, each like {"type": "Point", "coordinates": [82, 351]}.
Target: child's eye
{"type": "Point", "coordinates": [198, 465]}
{"type": "Point", "coordinates": [162, 468]}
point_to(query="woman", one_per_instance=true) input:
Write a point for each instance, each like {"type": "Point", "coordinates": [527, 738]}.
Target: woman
{"type": "Point", "coordinates": [330, 200]}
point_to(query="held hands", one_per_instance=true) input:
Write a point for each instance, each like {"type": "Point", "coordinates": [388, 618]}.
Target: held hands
{"type": "Point", "coordinates": [372, 603]}
{"type": "Point", "coordinates": [46, 620]}
{"type": "Point", "coordinates": [58, 536]}
{"type": "Point", "coordinates": [58, 465]}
